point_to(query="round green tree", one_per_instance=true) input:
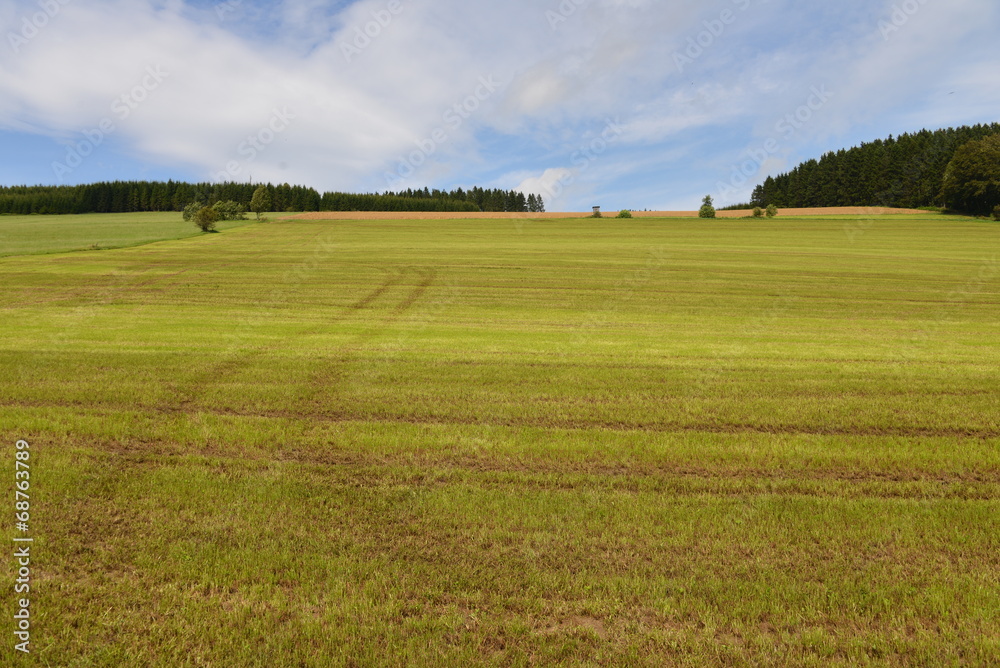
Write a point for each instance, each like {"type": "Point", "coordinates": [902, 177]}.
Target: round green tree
{"type": "Point", "coordinates": [972, 178]}
{"type": "Point", "coordinates": [261, 201]}
{"type": "Point", "coordinates": [707, 208]}
{"type": "Point", "coordinates": [191, 209]}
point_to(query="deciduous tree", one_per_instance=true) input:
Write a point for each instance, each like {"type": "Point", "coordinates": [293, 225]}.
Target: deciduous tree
{"type": "Point", "coordinates": [972, 179]}
{"type": "Point", "coordinates": [261, 201]}
{"type": "Point", "coordinates": [707, 209]}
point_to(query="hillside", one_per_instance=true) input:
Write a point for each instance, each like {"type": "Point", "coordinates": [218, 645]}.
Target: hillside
{"type": "Point", "coordinates": [905, 171]}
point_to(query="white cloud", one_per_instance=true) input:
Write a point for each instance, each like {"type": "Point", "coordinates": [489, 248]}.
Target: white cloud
{"type": "Point", "coordinates": [556, 185]}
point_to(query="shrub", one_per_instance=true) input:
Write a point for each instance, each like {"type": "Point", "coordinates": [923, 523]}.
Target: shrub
{"type": "Point", "coordinates": [772, 211]}
{"type": "Point", "coordinates": [758, 212]}
{"type": "Point", "coordinates": [996, 212]}
{"type": "Point", "coordinates": [624, 213]}
{"type": "Point", "coordinates": [230, 211]}
{"type": "Point", "coordinates": [707, 210]}
{"type": "Point", "coordinates": [206, 218]}
{"type": "Point", "coordinates": [191, 209]}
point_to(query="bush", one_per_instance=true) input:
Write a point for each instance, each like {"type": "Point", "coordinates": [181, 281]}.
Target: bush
{"type": "Point", "coordinates": [758, 212]}
{"type": "Point", "coordinates": [772, 211]}
{"type": "Point", "coordinates": [191, 209]}
{"type": "Point", "coordinates": [624, 213]}
{"type": "Point", "coordinates": [230, 211]}
{"type": "Point", "coordinates": [996, 212]}
{"type": "Point", "coordinates": [206, 218]}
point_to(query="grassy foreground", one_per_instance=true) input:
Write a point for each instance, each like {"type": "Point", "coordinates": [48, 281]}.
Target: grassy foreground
{"type": "Point", "coordinates": [643, 442]}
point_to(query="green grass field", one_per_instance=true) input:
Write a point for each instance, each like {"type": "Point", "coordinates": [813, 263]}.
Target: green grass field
{"type": "Point", "coordinates": [511, 443]}
{"type": "Point", "coordinates": [22, 235]}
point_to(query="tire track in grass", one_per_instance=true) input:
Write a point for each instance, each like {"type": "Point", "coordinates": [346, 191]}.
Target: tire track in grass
{"type": "Point", "coordinates": [186, 393]}
{"type": "Point", "coordinates": [195, 387]}
{"type": "Point", "coordinates": [334, 371]}
{"type": "Point", "coordinates": [192, 388]}
{"type": "Point", "coordinates": [415, 295]}
{"type": "Point", "coordinates": [368, 299]}
{"type": "Point", "coordinates": [239, 355]}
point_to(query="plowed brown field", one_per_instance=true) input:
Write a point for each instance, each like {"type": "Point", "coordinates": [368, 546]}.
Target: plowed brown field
{"type": "Point", "coordinates": [432, 215]}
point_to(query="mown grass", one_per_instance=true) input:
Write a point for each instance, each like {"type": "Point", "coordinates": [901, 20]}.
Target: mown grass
{"type": "Point", "coordinates": [26, 235]}
{"type": "Point", "coordinates": [643, 442]}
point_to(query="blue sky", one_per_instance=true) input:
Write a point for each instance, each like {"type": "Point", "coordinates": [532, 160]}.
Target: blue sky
{"type": "Point", "coordinates": [623, 103]}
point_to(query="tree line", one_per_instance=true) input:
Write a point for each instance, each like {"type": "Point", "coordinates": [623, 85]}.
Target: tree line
{"type": "Point", "coordinates": [136, 196]}
{"type": "Point", "coordinates": [907, 171]}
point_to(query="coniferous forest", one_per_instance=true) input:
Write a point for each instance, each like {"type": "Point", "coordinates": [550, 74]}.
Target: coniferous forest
{"type": "Point", "coordinates": [132, 196]}
{"type": "Point", "coordinates": [905, 171]}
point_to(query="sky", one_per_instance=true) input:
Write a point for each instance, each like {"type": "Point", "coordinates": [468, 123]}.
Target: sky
{"type": "Point", "coordinates": [620, 103]}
